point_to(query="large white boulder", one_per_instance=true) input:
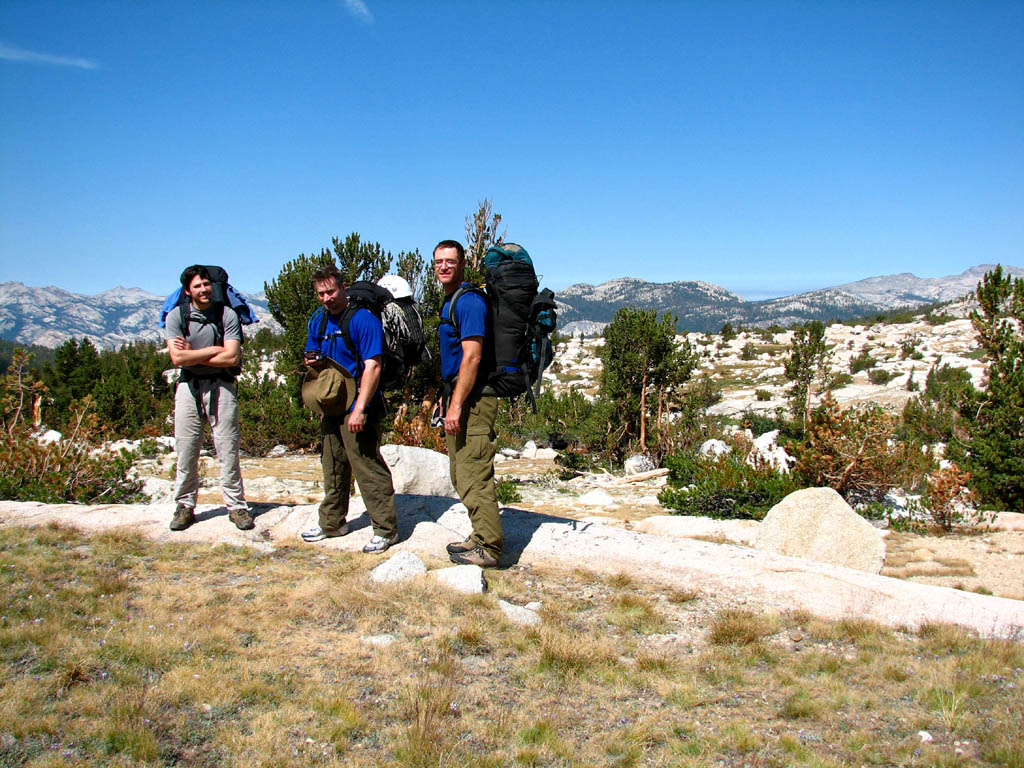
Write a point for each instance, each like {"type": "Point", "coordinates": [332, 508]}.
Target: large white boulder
{"type": "Point", "coordinates": [818, 524]}
{"type": "Point", "coordinates": [418, 471]}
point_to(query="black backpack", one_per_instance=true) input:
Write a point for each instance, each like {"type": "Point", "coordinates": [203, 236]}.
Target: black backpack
{"type": "Point", "coordinates": [522, 320]}
{"type": "Point", "coordinates": [404, 342]}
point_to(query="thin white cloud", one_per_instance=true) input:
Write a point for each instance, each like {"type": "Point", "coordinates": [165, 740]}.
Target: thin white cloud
{"type": "Point", "coordinates": [358, 9]}
{"type": "Point", "coordinates": [13, 53]}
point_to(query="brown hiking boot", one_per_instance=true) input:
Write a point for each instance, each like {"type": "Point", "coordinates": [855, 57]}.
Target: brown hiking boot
{"type": "Point", "coordinates": [242, 518]}
{"type": "Point", "coordinates": [461, 547]}
{"type": "Point", "coordinates": [183, 518]}
{"type": "Point", "coordinates": [477, 556]}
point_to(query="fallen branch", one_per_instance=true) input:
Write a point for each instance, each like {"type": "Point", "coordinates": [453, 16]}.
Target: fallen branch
{"type": "Point", "coordinates": [640, 477]}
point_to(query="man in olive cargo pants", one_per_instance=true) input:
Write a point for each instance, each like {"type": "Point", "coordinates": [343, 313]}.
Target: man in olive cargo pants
{"type": "Point", "coordinates": [468, 414]}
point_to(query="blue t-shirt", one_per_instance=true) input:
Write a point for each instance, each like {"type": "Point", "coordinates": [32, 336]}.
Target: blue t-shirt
{"type": "Point", "coordinates": [474, 319]}
{"type": "Point", "coordinates": [365, 329]}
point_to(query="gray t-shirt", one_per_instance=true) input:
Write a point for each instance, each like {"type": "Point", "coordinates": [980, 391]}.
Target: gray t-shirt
{"type": "Point", "coordinates": [202, 332]}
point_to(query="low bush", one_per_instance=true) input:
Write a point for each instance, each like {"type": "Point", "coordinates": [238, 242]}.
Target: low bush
{"type": "Point", "coordinates": [508, 492]}
{"type": "Point", "coordinates": [838, 380]}
{"type": "Point", "coordinates": [854, 452]}
{"type": "Point", "coordinates": [269, 416]}
{"type": "Point", "coordinates": [880, 376]}
{"type": "Point", "coordinates": [759, 423]}
{"type": "Point", "coordinates": [863, 361]}
{"type": "Point", "coordinates": [950, 501]}
{"type": "Point", "coordinates": [763, 395]}
{"type": "Point", "coordinates": [67, 470]}
{"type": "Point", "coordinates": [723, 487]}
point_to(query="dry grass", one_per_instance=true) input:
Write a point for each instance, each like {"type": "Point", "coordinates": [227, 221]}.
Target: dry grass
{"type": "Point", "coordinates": [117, 651]}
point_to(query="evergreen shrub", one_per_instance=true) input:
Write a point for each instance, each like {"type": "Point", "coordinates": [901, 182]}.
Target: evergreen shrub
{"type": "Point", "coordinates": [880, 376]}
{"type": "Point", "coordinates": [862, 362]}
{"type": "Point", "coordinates": [723, 487]}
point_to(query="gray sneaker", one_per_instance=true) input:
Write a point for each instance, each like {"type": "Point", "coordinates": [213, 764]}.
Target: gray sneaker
{"type": "Point", "coordinates": [242, 518]}
{"type": "Point", "coordinates": [317, 533]}
{"type": "Point", "coordinates": [183, 518]}
{"type": "Point", "coordinates": [379, 544]}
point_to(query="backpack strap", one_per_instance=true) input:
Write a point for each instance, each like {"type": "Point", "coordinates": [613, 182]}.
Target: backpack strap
{"type": "Point", "coordinates": [321, 333]}
{"type": "Point", "coordinates": [451, 318]}
{"type": "Point", "coordinates": [218, 320]}
{"type": "Point", "coordinates": [319, 318]}
{"type": "Point", "coordinates": [346, 334]}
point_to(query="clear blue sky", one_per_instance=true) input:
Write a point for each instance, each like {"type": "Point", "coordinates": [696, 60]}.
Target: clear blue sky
{"type": "Point", "coordinates": [768, 147]}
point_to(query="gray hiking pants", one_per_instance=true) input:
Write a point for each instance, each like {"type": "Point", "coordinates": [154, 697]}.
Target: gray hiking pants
{"type": "Point", "coordinates": [220, 408]}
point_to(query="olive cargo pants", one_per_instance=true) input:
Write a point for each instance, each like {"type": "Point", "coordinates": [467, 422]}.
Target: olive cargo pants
{"type": "Point", "coordinates": [471, 460]}
{"type": "Point", "coordinates": [345, 453]}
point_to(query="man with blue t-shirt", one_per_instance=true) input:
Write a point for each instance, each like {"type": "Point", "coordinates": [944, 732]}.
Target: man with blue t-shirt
{"type": "Point", "coordinates": [467, 352]}
{"type": "Point", "coordinates": [351, 441]}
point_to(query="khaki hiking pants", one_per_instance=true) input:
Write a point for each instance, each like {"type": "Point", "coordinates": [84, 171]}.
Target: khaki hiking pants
{"type": "Point", "coordinates": [343, 454]}
{"type": "Point", "coordinates": [471, 460]}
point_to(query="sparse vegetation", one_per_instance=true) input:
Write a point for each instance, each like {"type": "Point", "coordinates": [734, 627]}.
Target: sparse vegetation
{"type": "Point", "coordinates": [863, 361]}
{"type": "Point", "coordinates": [64, 470]}
{"type": "Point", "coordinates": [851, 451]}
{"type": "Point", "coordinates": [880, 376]}
{"type": "Point", "coordinates": [120, 651]}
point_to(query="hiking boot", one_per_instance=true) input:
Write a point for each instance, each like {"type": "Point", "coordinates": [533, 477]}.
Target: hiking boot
{"type": "Point", "coordinates": [379, 544]}
{"type": "Point", "coordinates": [183, 518]}
{"type": "Point", "coordinates": [319, 534]}
{"type": "Point", "coordinates": [461, 547]}
{"type": "Point", "coordinates": [477, 556]}
{"type": "Point", "coordinates": [242, 518]}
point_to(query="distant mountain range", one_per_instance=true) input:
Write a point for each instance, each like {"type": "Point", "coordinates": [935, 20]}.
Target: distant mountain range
{"type": "Point", "coordinates": [50, 316]}
{"type": "Point", "coordinates": [705, 307]}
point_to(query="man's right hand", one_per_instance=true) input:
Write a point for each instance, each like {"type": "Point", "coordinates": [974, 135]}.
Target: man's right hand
{"type": "Point", "coordinates": [451, 419]}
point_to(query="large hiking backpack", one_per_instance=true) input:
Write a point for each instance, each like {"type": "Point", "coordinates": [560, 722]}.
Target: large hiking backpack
{"type": "Point", "coordinates": [224, 294]}
{"type": "Point", "coordinates": [404, 342]}
{"type": "Point", "coordinates": [522, 320]}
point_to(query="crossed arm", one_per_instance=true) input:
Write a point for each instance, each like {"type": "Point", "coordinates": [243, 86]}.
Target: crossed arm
{"type": "Point", "coordinates": [225, 356]}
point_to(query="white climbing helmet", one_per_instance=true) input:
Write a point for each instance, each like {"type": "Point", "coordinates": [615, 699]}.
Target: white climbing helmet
{"type": "Point", "coordinates": [398, 286]}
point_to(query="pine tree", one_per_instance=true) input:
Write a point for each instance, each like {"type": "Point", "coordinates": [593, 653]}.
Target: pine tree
{"type": "Point", "coordinates": [481, 234]}
{"type": "Point", "coordinates": [995, 456]}
{"type": "Point", "coordinates": [808, 361]}
{"type": "Point", "coordinates": [642, 366]}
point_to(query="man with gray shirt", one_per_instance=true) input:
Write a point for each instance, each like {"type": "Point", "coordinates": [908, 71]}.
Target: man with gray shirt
{"type": "Point", "coordinates": [205, 341]}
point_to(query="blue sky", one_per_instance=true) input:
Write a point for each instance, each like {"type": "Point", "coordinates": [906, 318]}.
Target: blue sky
{"type": "Point", "coordinates": [768, 147]}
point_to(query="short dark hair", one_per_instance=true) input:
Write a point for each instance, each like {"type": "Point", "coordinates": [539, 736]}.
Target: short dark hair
{"type": "Point", "coordinates": [328, 272]}
{"type": "Point", "coordinates": [191, 273]}
{"type": "Point", "coordinates": [452, 244]}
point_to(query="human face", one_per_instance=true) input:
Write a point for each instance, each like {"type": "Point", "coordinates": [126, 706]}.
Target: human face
{"type": "Point", "coordinates": [332, 295]}
{"type": "Point", "coordinates": [201, 292]}
{"type": "Point", "coordinates": [450, 270]}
